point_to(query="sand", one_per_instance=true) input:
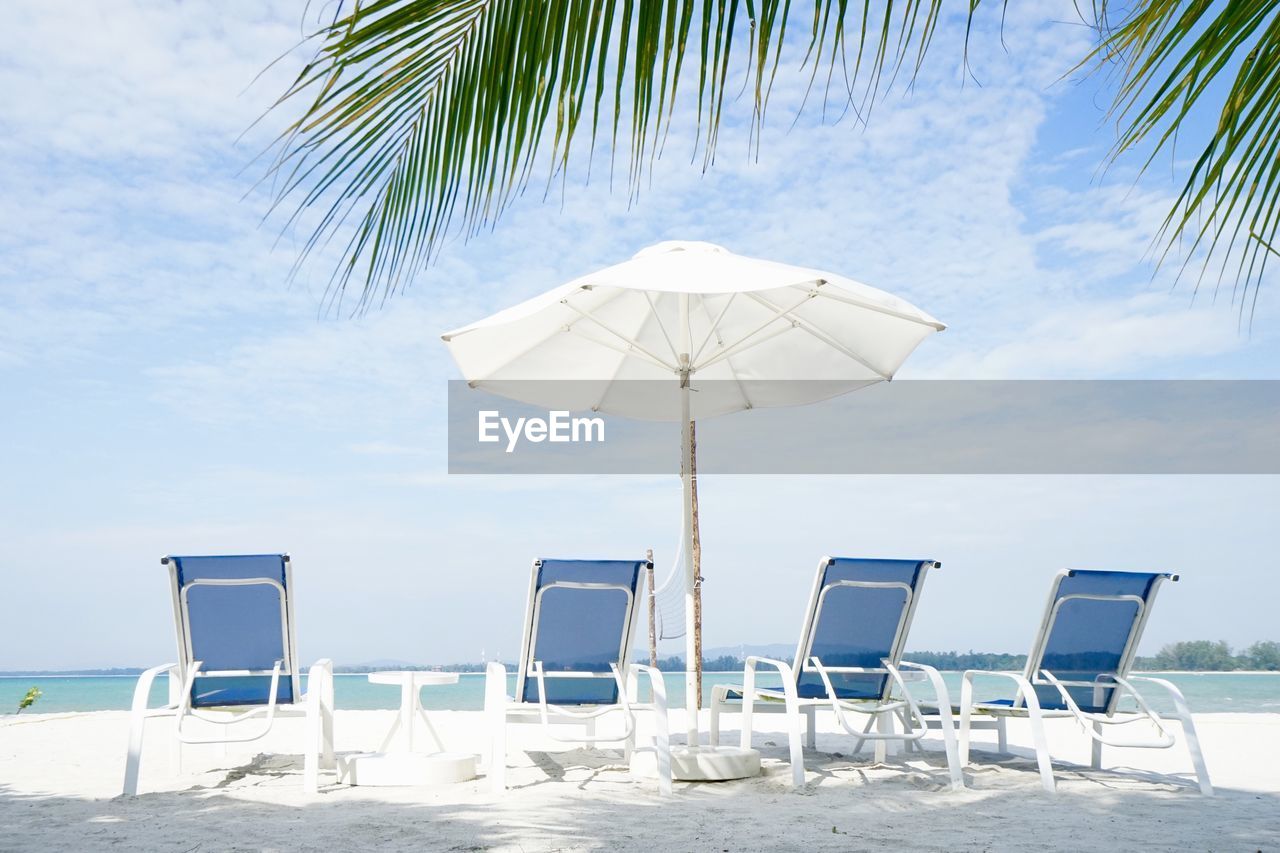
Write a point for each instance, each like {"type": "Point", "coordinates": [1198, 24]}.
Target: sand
{"type": "Point", "coordinates": [60, 776]}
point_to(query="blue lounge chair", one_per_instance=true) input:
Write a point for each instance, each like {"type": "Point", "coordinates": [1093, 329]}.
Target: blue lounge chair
{"type": "Point", "coordinates": [575, 662]}
{"type": "Point", "coordinates": [237, 661]}
{"type": "Point", "coordinates": [1079, 667]}
{"type": "Point", "coordinates": [849, 658]}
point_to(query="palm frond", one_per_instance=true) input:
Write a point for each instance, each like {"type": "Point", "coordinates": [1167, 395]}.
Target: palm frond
{"type": "Point", "coordinates": [424, 118]}
{"type": "Point", "coordinates": [1179, 57]}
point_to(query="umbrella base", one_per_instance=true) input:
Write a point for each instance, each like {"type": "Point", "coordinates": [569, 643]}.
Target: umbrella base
{"type": "Point", "coordinates": [702, 763]}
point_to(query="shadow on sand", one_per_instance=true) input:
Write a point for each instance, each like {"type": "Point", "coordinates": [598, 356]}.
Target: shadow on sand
{"type": "Point", "coordinates": [584, 800]}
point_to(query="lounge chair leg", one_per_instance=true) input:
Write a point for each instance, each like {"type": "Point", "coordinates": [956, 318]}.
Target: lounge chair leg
{"type": "Point", "coordinates": [884, 725]}
{"type": "Point", "coordinates": [498, 756]}
{"type": "Point", "coordinates": [811, 727]}
{"type": "Point", "coordinates": [1002, 736]}
{"type": "Point", "coordinates": [662, 749]}
{"type": "Point", "coordinates": [947, 725]}
{"type": "Point", "coordinates": [908, 746]}
{"type": "Point", "coordinates": [859, 741]}
{"type": "Point", "coordinates": [1183, 712]}
{"type": "Point", "coordinates": [747, 703]}
{"type": "Point", "coordinates": [1193, 746]}
{"type": "Point", "coordinates": [1095, 756]}
{"type": "Point", "coordinates": [966, 716]}
{"type": "Point", "coordinates": [1042, 748]}
{"type": "Point", "coordinates": [795, 739]}
{"type": "Point", "coordinates": [495, 706]}
{"type": "Point", "coordinates": [662, 734]}
{"type": "Point", "coordinates": [311, 754]}
{"type": "Point", "coordinates": [327, 712]}
{"type": "Point", "coordinates": [719, 703]}
{"type": "Point", "coordinates": [629, 745]}
{"type": "Point", "coordinates": [952, 749]}
{"type": "Point", "coordinates": [134, 758]}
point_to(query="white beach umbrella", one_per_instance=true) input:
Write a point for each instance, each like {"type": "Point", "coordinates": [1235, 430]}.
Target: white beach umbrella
{"type": "Point", "coordinates": [741, 332]}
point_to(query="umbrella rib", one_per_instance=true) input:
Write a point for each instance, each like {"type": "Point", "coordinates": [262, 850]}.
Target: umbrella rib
{"type": "Point", "coordinates": [714, 324]}
{"type": "Point", "coordinates": [821, 335]}
{"type": "Point", "coordinates": [870, 306]}
{"type": "Point", "coordinates": [733, 371]}
{"type": "Point", "coordinates": [531, 347]}
{"type": "Point", "coordinates": [661, 326]}
{"type": "Point", "coordinates": [737, 346]}
{"type": "Point", "coordinates": [619, 349]}
{"type": "Point", "coordinates": [633, 344]}
{"type": "Point", "coordinates": [608, 385]}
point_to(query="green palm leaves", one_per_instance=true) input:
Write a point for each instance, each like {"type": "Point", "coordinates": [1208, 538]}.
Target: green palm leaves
{"type": "Point", "coordinates": [1179, 57]}
{"type": "Point", "coordinates": [423, 119]}
{"type": "Point", "coordinates": [418, 116]}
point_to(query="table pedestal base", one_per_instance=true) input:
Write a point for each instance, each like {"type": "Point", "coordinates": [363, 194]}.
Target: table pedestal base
{"type": "Point", "coordinates": [406, 768]}
{"type": "Point", "coordinates": [701, 763]}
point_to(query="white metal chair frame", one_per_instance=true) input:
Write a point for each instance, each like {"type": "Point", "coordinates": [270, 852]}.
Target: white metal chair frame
{"type": "Point", "coordinates": [880, 713]}
{"type": "Point", "coordinates": [503, 710]}
{"type": "Point", "coordinates": [316, 704]}
{"type": "Point", "coordinates": [1027, 702]}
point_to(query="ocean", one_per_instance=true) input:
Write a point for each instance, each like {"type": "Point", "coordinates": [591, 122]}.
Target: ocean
{"type": "Point", "coordinates": [1205, 692]}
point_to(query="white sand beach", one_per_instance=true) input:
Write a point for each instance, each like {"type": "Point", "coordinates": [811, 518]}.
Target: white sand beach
{"type": "Point", "coordinates": [60, 776]}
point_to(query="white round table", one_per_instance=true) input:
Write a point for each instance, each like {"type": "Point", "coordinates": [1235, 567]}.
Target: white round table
{"type": "Point", "coordinates": [398, 762]}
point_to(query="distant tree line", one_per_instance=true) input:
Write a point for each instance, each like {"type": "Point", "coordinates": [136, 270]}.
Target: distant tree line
{"type": "Point", "coordinates": [412, 667]}
{"type": "Point", "coordinates": [1208, 655]}
{"type": "Point", "coordinates": [939, 660]}
{"type": "Point", "coordinates": [1190, 655]}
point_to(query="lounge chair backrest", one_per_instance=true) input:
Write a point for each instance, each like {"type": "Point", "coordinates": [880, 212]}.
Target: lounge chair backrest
{"type": "Point", "coordinates": [858, 615]}
{"type": "Point", "coordinates": [579, 621]}
{"type": "Point", "coordinates": [1089, 633]}
{"type": "Point", "coordinates": [234, 614]}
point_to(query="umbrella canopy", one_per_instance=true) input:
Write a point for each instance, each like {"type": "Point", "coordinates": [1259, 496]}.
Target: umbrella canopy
{"type": "Point", "coordinates": [680, 316]}
{"type": "Point", "coordinates": [699, 311]}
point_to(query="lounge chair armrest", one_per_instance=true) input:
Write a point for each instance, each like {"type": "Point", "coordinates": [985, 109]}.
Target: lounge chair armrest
{"type": "Point", "coordinates": [922, 667]}
{"type": "Point", "coordinates": [142, 692]}
{"type": "Point", "coordinates": [784, 669]}
{"type": "Point", "coordinates": [320, 669]}
{"type": "Point", "coordinates": [655, 676]}
{"type": "Point", "coordinates": [934, 677]}
{"type": "Point", "coordinates": [1169, 686]}
{"type": "Point", "coordinates": [1028, 692]}
{"type": "Point", "coordinates": [657, 684]}
{"type": "Point", "coordinates": [319, 676]}
{"type": "Point", "coordinates": [495, 685]}
{"type": "Point", "coordinates": [1179, 701]}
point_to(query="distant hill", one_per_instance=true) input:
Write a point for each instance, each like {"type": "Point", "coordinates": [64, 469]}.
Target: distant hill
{"type": "Point", "coordinates": [782, 651]}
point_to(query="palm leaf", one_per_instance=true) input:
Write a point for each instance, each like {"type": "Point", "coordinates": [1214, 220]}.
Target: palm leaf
{"type": "Point", "coordinates": [422, 119]}
{"type": "Point", "coordinates": [1176, 59]}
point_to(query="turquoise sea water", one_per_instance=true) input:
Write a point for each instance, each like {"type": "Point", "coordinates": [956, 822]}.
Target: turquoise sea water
{"type": "Point", "coordinates": [1205, 692]}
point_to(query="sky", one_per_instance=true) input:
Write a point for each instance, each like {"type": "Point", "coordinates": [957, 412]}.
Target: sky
{"type": "Point", "coordinates": [164, 388]}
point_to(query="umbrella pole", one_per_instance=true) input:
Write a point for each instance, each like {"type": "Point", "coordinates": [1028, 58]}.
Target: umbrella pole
{"type": "Point", "coordinates": [692, 653]}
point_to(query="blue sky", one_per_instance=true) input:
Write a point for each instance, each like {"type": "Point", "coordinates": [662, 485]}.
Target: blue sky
{"type": "Point", "coordinates": [164, 389]}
